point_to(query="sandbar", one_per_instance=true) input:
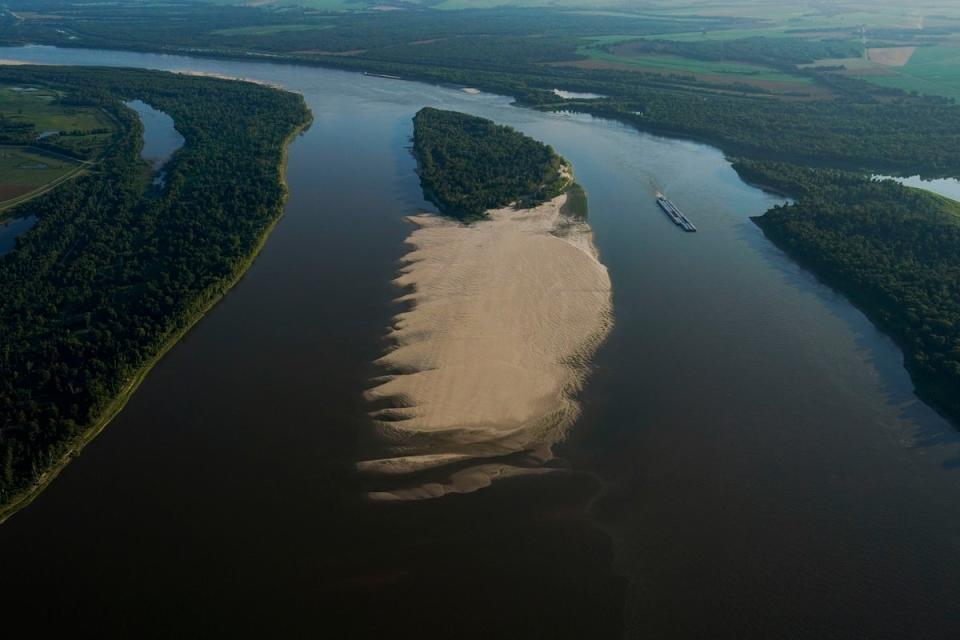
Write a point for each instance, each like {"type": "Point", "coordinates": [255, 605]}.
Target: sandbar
{"type": "Point", "coordinates": [502, 317]}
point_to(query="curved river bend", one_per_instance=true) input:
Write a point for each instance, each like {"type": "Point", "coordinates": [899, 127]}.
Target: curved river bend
{"type": "Point", "coordinates": [751, 462]}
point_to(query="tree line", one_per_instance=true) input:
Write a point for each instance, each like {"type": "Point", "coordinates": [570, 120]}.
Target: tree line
{"type": "Point", "coordinates": [111, 273]}
{"type": "Point", "coordinates": [893, 250]}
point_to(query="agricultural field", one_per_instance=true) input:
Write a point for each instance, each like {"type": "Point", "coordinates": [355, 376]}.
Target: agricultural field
{"type": "Point", "coordinates": [629, 54]}
{"type": "Point", "coordinates": [932, 70]}
{"type": "Point", "coordinates": [44, 140]}
{"type": "Point", "coordinates": [38, 114]}
{"type": "Point", "coordinates": [669, 64]}
{"type": "Point", "coordinates": [871, 40]}
{"type": "Point", "coordinates": [24, 171]}
{"type": "Point", "coordinates": [40, 107]}
{"type": "Point", "coordinates": [912, 48]}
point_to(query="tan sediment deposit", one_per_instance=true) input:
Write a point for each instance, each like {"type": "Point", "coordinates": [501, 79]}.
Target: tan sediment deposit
{"type": "Point", "coordinates": [224, 76]}
{"type": "Point", "coordinates": [891, 56]}
{"type": "Point", "coordinates": [504, 316]}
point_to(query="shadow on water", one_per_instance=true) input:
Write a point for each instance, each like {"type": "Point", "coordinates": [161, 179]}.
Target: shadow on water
{"type": "Point", "coordinates": [917, 423]}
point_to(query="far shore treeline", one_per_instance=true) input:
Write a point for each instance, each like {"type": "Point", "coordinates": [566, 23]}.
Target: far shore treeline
{"type": "Point", "coordinates": [893, 250]}
{"type": "Point", "coordinates": [114, 272]}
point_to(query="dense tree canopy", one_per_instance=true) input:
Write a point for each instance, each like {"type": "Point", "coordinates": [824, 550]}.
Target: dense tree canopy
{"type": "Point", "coordinates": [113, 271]}
{"type": "Point", "coordinates": [893, 250]}
{"type": "Point", "coordinates": [468, 164]}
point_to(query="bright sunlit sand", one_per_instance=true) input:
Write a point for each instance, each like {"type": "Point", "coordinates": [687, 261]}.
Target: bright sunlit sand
{"type": "Point", "coordinates": [504, 316]}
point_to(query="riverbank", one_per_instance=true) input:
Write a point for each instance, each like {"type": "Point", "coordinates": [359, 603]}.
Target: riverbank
{"type": "Point", "coordinates": [839, 228]}
{"type": "Point", "coordinates": [504, 316]}
{"type": "Point", "coordinates": [24, 498]}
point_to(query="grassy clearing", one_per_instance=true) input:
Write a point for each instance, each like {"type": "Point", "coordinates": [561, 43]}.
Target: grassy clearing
{"type": "Point", "coordinates": [26, 173]}
{"type": "Point", "coordinates": [891, 56]}
{"type": "Point", "coordinates": [30, 168]}
{"type": "Point", "coordinates": [29, 113]}
{"type": "Point", "coordinates": [268, 29]}
{"type": "Point", "coordinates": [39, 107]}
{"type": "Point", "coordinates": [850, 63]}
{"type": "Point", "coordinates": [737, 71]}
{"type": "Point", "coordinates": [932, 70]}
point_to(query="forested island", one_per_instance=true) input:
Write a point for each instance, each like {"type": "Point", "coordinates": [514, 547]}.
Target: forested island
{"type": "Point", "coordinates": [114, 272]}
{"type": "Point", "coordinates": [892, 250]}
{"type": "Point", "coordinates": [468, 165]}
{"type": "Point", "coordinates": [472, 383]}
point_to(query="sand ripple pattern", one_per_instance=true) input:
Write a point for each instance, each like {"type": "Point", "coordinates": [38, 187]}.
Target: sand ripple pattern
{"type": "Point", "coordinates": [482, 371]}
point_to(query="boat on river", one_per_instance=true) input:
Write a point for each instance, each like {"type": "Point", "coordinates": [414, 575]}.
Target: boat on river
{"type": "Point", "coordinates": [673, 212]}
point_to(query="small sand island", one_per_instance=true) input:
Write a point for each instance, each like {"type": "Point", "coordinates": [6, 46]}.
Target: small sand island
{"type": "Point", "coordinates": [507, 301]}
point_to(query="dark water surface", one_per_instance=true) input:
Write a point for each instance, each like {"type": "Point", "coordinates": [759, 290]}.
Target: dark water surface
{"type": "Point", "coordinates": [752, 462]}
{"type": "Point", "coordinates": [160, 136]}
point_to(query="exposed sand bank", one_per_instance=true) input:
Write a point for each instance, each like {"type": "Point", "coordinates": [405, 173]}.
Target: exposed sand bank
{"type": "Point", "coordinates": [224, 76]}
{"type": "Point", "coordinates": [504, 316]}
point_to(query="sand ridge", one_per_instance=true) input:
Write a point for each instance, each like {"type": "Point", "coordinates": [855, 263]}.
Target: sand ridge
{"type": "Point", "coordinates": [503, 317]}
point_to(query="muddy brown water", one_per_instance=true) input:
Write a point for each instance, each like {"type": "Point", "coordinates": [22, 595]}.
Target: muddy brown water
{"type": "Point", "coordinates": [751, 463]}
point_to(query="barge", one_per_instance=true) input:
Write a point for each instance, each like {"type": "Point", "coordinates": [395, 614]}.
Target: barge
{"type": "Point", "coordinates": [674, 213]}
{"type": "Point", "coordinates": [381, 75]}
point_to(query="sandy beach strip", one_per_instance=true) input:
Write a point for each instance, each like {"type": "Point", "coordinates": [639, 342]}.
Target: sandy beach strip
{"type": "Point", "coordinates": [224, 76]}
{"type": "Point", "coordinates": [504, 315]}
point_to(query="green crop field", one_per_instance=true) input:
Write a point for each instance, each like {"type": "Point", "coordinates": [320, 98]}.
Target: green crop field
{"type": "Point", "coordinates": [23, 171]}
{"type": "Point", "coordinates": [932, 70]}
{"type": "Point", "coordinates": [737, 71]}
{"type": "Point", "coordinates": [35, 115]}
{"type": "Point", "coordinates": [39, 107]}
{"type": "Point", "coordinates": [35, 112]}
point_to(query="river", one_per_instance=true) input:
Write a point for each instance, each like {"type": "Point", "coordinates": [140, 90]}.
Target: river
{"type": "Point", "coordinates": [751, 463]}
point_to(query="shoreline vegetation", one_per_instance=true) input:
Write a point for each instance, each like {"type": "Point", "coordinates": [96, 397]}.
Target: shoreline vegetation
{"type": "Point", "coordinates": [469, 165]}
{"type": "Point", "coordinates": [23, 500]}
{"type": "Point", "coordinates": [281, 115]}
{"type": "Point", "coordinates": [892, 250]}
{"type": "Point", "coordinates": [504, 309]}
{"type": "Point", "coordinates": [826, 118]}
{"type": "Point", "coordinates": [853, 125]}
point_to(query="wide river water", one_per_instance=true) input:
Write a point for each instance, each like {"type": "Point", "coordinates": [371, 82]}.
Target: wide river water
{"type": "Point", "coordinates": [751, 463]}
